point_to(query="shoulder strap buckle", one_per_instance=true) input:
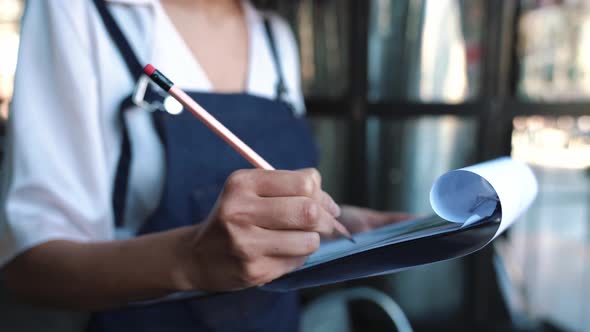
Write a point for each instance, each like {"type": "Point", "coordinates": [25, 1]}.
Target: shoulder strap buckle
{"type": "Point", "coordinates": [139, 94]}
{"type": "Point", "coordinates": [154, 100]}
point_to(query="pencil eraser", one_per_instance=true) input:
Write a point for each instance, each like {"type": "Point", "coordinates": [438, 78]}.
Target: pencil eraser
{"type": "Point", "coordinates": [149, 70]}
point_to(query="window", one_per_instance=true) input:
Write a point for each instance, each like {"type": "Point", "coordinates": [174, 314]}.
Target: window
{"type": "Point", "coordinates": [554, 50]}
{"type": "Point", "coordinates": [547, 251]}
{"type": "Point", "coordinates": [10, 12]}
{"type": "Point", "coordinates": [425, 51]}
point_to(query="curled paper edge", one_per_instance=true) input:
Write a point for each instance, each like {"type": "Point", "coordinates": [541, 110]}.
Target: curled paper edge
{"type": "Point", "coordinates": [469, 194]}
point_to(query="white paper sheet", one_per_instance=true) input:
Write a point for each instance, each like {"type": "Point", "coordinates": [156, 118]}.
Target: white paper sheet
{"type": "Point", "coordinates": [468, 194]}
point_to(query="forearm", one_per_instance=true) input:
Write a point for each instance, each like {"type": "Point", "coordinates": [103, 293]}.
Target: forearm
{"type": "Point", "coordinates": [95, 276]}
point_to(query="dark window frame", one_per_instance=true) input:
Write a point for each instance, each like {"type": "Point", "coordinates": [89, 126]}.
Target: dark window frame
{"type": "Point", "coordinates": [495, 109]}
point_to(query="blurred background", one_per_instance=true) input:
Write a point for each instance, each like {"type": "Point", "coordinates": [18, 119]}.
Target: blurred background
{"type": "Point", "coordinates": [400, 91]}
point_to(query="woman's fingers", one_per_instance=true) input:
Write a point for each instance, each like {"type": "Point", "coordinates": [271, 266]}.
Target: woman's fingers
{"type": "Point", "coordinates": [318, 194]}
{"type": "Point", "coordinates": [327, 203]}
{"type": "Point", "coordinates": [293, 213]}
{"type": "Point", "coordinates": [287, 244]}
{"type": "Point", "coordinates": [275, 183]}
{"type": "Point", "coordinates": [303, 183]}
{"type": "Point", "coordinates": [271, 268]}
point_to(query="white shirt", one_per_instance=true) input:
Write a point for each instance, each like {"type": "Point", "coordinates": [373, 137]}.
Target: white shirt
{"type": "Point", "coordinates": [63, 140]}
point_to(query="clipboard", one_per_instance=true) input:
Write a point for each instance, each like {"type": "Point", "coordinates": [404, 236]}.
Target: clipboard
{"type": "Point", "coordinates": [472, 206]}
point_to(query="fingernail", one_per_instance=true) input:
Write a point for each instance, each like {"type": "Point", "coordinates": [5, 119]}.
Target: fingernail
{"type": "Point", "coordinates": [334, 209]}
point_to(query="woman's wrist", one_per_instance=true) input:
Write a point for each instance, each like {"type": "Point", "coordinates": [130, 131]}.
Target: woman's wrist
{"type": "Point", "coordinates": [184, 270]}
{"type": "Point", "coordinates": [100, 275]}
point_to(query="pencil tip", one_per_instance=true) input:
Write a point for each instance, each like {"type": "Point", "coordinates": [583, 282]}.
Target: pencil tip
{"type": "Point", "coordinates": [343, 232]}
{"type": "Point", "coordinates": [349, 237]}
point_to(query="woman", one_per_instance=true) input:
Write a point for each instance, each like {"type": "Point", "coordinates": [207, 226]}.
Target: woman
{"type": "Point", "coordinates": [109, 199]}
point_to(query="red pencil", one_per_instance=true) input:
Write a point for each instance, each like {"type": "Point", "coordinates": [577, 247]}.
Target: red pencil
{"type": "Point", "coordinates": [218, 128]}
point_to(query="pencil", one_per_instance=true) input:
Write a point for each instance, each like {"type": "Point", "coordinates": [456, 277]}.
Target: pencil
{"type": "Point", "coordinates": [218, 128]}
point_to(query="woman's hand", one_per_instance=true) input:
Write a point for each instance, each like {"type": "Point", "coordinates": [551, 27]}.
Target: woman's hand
{"type": "Point", "coordinates": [358, 220]}
{"type": "Point", "coordinates": [264, 224]}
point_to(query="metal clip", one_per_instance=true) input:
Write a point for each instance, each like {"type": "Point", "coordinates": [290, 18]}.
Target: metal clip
{"type": "Point", "coordinates": [169, 104]}
{"type": "Point", "coordinates": [138, 96]}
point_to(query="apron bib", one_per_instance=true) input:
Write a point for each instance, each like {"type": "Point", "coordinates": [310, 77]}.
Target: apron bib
{"type": "Point", "coordinates": [197, 165]}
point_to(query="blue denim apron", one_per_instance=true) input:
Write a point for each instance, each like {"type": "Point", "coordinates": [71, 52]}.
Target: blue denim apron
{"type": "Point", "coordinates": [197, 165]}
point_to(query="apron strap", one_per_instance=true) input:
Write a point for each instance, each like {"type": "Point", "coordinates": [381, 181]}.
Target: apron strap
{"type": "Point", "coordinates": [281, 88]}
{"type": "Point", "coordinates": [131, 60]}
{"type": "Point", "coordinates": [119, 196]}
